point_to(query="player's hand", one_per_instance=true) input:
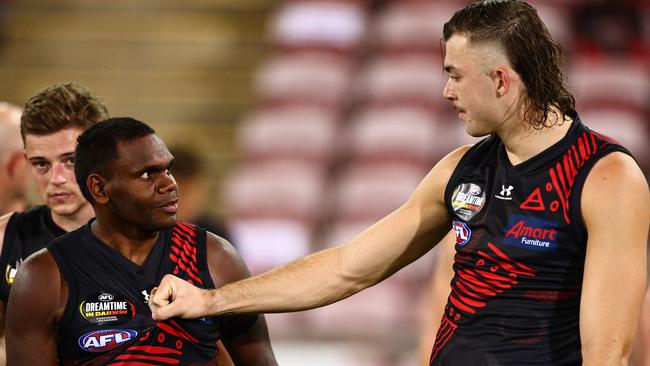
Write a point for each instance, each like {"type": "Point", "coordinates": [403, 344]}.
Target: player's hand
{"type": "Point", "coordinates": [175, 297]}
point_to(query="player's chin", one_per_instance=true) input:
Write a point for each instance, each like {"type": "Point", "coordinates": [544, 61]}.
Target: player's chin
{"type": "Point", "coordinates": [64, 209]}
{"type": "Point", "coordinates": [476, 131]}
{"type": "Point", "coordinates": [163, 223]}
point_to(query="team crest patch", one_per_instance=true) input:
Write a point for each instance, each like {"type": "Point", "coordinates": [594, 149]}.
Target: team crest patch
{"type": "Point", "coordinates": [467, 200]}
{"type": "Point", "coordinates": [463, 232]}
{"type": "Point", "coordinates": [105, 339]}
{"type": "Point", "coordinates": [531, 233]}
{"type": "Point", "coordinates": [105, 307]}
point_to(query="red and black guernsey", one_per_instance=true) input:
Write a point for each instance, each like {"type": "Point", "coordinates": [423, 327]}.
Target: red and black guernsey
{"type": "Point", "coordinates": [26, 233]}
{"type": "Point", "coordinates": [107, 320]}
{"type": "Point", "coordinates": [520, 252]}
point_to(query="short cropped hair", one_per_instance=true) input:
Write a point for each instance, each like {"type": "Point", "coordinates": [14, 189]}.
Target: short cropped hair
{"type": "Point", "coordinates": [61, 106]}
{"type": "Point", "coordinates": [97, 147]}
{"type": "Point", "coordinates": [528, 46]}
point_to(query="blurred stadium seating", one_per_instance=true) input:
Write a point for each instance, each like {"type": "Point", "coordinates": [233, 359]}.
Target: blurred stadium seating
{"type": "Point", "coordinates": [341, 118]}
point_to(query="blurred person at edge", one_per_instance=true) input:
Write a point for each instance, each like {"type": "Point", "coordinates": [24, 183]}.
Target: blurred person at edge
{"type": "Point", "coordinates": [13, 167]}
{"type": "Point", "coordinates": [551, 218]}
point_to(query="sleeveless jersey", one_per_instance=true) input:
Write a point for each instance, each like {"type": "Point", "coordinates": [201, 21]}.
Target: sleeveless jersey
{"type": "Point", "coordinates": [107, 320]}
{"type": "Point", "coordinates": [26, 233]}
{"type": "Point", "coordinates": [520, 252]}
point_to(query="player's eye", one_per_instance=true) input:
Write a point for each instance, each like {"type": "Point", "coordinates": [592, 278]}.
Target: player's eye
{"type": "Point", "coordinates": [41, 166]}
{"type": "Point", "coordinates": [69, 162]}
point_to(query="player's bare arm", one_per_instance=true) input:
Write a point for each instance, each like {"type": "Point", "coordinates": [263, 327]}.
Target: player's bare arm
{"type": "Point", "coordinates": [36, 303]}
{"type": "Point", "coordinates": [640, 353]}
{"type": "Point", "coordinates": [616, 210]}
{"type": "Point", "coordinates": [252, 345]}
{"type": "Point", "coordinates": [332, 274]}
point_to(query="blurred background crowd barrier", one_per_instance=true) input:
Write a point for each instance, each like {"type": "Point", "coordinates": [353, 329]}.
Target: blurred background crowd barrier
{"type": "Point", "coordinates": [302, 122]}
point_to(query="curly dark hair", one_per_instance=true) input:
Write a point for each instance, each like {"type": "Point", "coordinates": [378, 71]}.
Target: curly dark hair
{"type": "Point", "coordinates": [529, 48]}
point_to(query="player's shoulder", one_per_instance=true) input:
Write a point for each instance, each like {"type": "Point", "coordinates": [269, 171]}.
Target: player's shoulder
{"type": "Point", "coordinates": [616, 169]}
{"type": "Point", "coordinates": [442, 171]}
{"type": "Point", "coordinates": [615, 178]}
{"type": "Point", "coordinates": [219, 246]}
{"type": "Point", "coordinates": [431, 189]}
{"type": "Point", "coordinates": [39, 270]}
{"type": "Point", "coordinates": [453, 158]}
{"type": "Point", "coordinates": [38, 286]}
{"type": "Point", "coordinates": [41, 259]}
{"type": "Point", "coordinates": [224, 262]}
{"type": "Point", "coordinates": [481, 148]}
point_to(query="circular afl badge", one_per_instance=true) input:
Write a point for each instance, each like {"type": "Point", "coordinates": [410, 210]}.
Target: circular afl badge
{"type": "Point", "coordinates": [467, 200]}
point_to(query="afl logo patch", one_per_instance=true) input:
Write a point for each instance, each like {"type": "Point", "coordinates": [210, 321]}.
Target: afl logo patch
{"type": "Point", "coordinates": [467, 200]}
{"type": "Point", "coordinates": [106, 339]}
{"type": "Point", "coordinates": [105, 297]}
{"type": "Point", "coordinates": [463, 233]}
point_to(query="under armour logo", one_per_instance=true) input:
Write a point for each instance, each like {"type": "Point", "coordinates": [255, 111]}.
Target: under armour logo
{"type": "Point", "coordinates": [506, 191]}
{"type": "Point", "coordinates": [146, 296]}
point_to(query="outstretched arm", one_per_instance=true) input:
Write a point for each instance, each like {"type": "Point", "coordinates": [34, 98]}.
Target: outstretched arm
{"type": "Point", "coordinates": [616, 211]}
{"type": "Point", "coordinates": [246, 338]}
{"type": "Point", "coordinates": [332, 274]}
{"type": "Point", "coordinates": [33, 310]}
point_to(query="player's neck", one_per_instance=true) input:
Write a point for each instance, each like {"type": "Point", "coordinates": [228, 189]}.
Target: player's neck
{"type": "Point", "coordinates": [130, 241]}
{"type": "Point", "coordinates": [523, 141]}
{"type": "Point", "coordinates": [74, 221]}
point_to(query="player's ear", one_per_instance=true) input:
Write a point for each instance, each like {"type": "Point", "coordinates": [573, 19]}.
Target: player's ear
{"type": "Point", "coordinates": [501, 79]}
{"type": "Point", "coordinates": [97, 186]}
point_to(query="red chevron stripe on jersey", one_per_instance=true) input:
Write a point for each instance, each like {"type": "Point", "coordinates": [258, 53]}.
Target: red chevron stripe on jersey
{"type": "Point", "coordinates": [494, 273]}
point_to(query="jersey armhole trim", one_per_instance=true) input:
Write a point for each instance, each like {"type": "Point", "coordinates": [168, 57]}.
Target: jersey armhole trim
{"type": "Point", "coordinates": [202, 257]}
